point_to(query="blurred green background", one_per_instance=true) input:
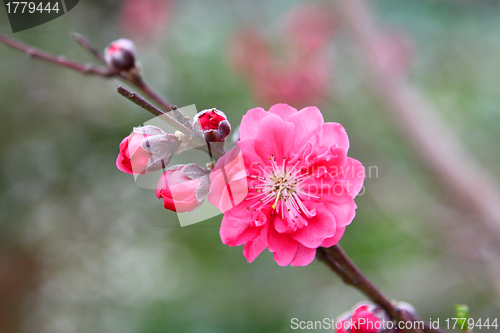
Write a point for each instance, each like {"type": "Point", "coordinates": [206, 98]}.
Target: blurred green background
{"type": "Point", "coordinates": [83, 249]}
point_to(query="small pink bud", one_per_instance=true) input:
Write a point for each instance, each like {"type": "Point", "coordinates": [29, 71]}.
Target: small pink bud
{"type": "Point", "coordinates": [183, 188]}
{"type": "Point", "coordinates": [364, 318]}
{"type": "Point", "coordinates": [120, 55]}
{"type": "Point", "coordinates": [212, 124]}
{"type": "Point", "coordinates": [146, 150]}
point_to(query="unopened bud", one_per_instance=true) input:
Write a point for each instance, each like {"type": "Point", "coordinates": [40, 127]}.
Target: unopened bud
{"type": "Point", "coordinates": [212, 124]}
{"type": "Point", "coordinates": [183, 188]}
{"type": "Point", "coordinates": [147, 149]}
{"type": "Point", "coordinates": [120, 55]}
{"type": "Point", "coordinates": [363, 318]}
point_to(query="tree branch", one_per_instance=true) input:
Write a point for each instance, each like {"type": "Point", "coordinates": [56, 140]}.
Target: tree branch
{"type": "Point", "coordinates": [437, 145]}
{"type": "Point", "coordinates": [213, 149]}
{"type": "Point", "coordinates": [87, 69]}
{"type": "Point", "coordinates": [338, 261]}
{"type": "Point", "coordinates": [85, 44]}
{"type": "Point", "coordinates": [138, 100]}
{"type": "Point", "coordinates": [107, 72]}
{"type": "Point", "coordinates": [135, 79]}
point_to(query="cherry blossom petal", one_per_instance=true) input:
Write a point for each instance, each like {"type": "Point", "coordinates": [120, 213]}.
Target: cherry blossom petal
{"type": "Point", "coordinates": [246, 236]}
{"type": "Point", "coordinates": [250, 156]}
{"type": "Point", "coordinates": [318, 228]}
{"type": "Point", "coordinates": [334, 239]}
{"type": "Point", "coordinates": [283, 226]}
{"type": "Point", "coordinates": [228, 186]}
{"type": "Point", "coordinates": [334, 135]}
{"type": "Point", "coordinates": [341, 204]}
{"type": "Point", "coordinates": [231, 228]}
{"type": "Point", "coordinates": [304, 256]}
{"type": "Point", "coordinates": [352, 176]}
{"type": "Point", "coordinates": [255, 247]}
{"type": "Point", "coordinates": [250, 122]}
{"type": "Point", "coordinates": [282, 246]}
{"type": "Point", "coordinates": [274, 138]}
{"type": "Point", "coordinates": [284, 111]}
{"type": "Point", "coordinates": [306, 121]}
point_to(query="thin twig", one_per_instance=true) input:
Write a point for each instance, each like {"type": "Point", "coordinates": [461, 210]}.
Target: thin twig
{"type": "Point", "coordinates": [85, 44]}
{"type": "Point", "coordinates": [135, 80]}
{"type": "Point", "coordinates": [148, 91]}
{"type": "Point", "coordinates": [87, 69]}
{"type": "Point", "coordinates": [338, 261]}
{"type": "Point", "coordinates": [214, 151]}
{"type": "Point", "coordinates": [138, 100]}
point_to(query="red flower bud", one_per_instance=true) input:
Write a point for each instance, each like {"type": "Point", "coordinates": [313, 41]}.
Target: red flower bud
{"type": "Point", "coordinates": [365, 318]}
{"type": "Point", "coordinates": [120, 55]}
{"type": "Point", "coordinates": [212, 124]}
{"type": "Point", "coordinates": [369, 318]}
{"type": "Point", "coordinates": [147, 149]}
{"type": "Point", "coordinates": [183, 188]}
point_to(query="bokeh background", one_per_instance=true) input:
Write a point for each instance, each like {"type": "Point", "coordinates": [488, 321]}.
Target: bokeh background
{"type": "Point", "coordinates": [83, 249]}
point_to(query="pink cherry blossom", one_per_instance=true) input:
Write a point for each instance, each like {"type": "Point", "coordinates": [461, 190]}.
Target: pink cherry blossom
{"type": "Point", "coordinates": [299, 184]}
{"type": "Point", "coordinates": [145, 19]}
{"type": "Point", "coordinates": [249, 51]}
{"type": "Point", "coordinates": [300, 81]}
{"type": "Point", "coordinates": [299, 72]}
{"type": "Point", "coordinates": [309, 26]}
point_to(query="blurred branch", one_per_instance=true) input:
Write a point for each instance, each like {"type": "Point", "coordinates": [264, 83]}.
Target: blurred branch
{"type": "Point", "coordinates": [34, 52]}
{"type": "Point", "coordinates": [106, 72]}
{"type": "Point", "coordinates": [137, 81]}
{"type": "Point", "coordinates": [180, 122]}
{"type": "Point", "coordinates": [338, 261]}
{"type": "Point", "coordinates": [148, 91]}
{"type": "Point", "coordinates": [437, 145]}
{"type": "Point", "coordinates": [85, 44]}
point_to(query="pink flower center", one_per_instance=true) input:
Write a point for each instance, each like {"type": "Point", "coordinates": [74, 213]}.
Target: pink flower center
{"type": "Point", "coordinates": [281, 186]}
